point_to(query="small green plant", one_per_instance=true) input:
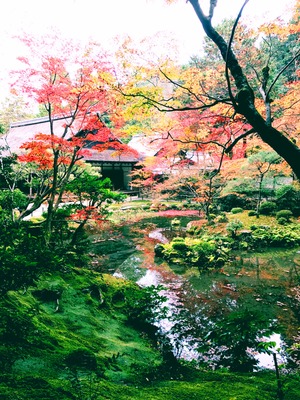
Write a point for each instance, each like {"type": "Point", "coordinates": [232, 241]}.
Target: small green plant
{"type": "Point", "coordinates": [175, 223]}
{"type": "Point", "coordinates": [236, 210]}
{"type": "Point", "coordinates": [221, 218]}
{"type": "Point", "coordinates": [207, 252]}
{"type": "Point", "coordinates": [233, 227]}
{"type": "Point", "coordinates": [178, 239]}
{"type": "Point", "coordinates": [180, 246]}
{"type": "Point", "coordinates": [285, 236]}
{"type": "Point", "coordinates": [267, 208]}
{"type": "Point", "coordinates": [158, 249]}
{"type": "Point", "coordinates": [287, 214]}
{"type": "Point", "coordinates": [193, 230]}
{"type": "Point", "coordinates": [252, 213]}
{"type": "Point", "coordinates": [282, 221]}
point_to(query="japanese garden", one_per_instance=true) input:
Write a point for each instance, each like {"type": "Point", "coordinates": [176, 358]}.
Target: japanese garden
{"type": "Point", "coordinates": [150, 217]}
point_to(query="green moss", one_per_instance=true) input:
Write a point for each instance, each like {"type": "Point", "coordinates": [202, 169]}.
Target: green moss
{"type": "Point", "coordinates": [204, 386]}
{"type": "Point", "coordinates": [83, 316]}
{"type": "Point", "coordinates": [85, 344]}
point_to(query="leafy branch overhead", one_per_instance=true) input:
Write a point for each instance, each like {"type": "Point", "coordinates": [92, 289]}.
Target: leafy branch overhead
{"type": "Point", "coordinates": [245, 84]}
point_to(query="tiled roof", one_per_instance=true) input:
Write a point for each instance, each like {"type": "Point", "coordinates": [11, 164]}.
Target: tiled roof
{"type": "Point", "coordinates": [110, 156]}
{"type": "Point", "coordinates": [24, 131]}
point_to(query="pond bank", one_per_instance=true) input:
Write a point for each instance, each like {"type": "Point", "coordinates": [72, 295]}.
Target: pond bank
{"type": "Point", "coordinates": [261, 283]}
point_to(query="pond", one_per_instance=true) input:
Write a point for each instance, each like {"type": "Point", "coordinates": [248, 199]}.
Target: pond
{"type": "Point", "coordinates": [241, 308]}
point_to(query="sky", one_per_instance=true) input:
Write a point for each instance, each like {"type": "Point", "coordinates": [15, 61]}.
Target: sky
{"type": "Point", "coordinates": [103, 20]}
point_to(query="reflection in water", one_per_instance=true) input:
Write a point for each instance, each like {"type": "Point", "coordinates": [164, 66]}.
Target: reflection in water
{"type": "Point", "coordinates": [151, 278]}
{"type": "Point", "coordinates": [130, 268]}
{"type": "Point", "coordinates": [259, 285]}
{"type": "Point", "coordinates": [266, 360]}
{"type": "Point", "coordinates": [158, 235]}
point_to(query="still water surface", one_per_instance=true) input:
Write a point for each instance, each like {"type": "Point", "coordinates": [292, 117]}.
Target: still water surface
{"type": "Point", "coordinates": [260, 284]}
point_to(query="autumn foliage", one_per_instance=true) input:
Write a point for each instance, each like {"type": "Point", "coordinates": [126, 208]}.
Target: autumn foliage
{"type": "Point", "coordinates": [72, 87]}
{"type": "Point", "coordinates": [243, 89]}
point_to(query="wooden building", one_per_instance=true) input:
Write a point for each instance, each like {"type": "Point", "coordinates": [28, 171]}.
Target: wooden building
{"type": "Point", "coordinates": [116, 166]}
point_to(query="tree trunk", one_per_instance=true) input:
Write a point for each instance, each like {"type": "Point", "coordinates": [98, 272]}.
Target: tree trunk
{"type": "Point", "coordinates": [244, 101]}
{"type": "Point", "coordinates": [275, 139]}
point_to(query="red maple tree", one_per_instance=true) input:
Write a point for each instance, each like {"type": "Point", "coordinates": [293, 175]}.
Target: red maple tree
{"type": "Point", "coordinates": [71, 85]}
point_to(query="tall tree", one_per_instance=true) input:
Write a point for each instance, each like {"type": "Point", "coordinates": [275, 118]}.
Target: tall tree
{"type": "Point", "coordinates": [243, 95]}
{"type": "Point", "coordinates": [244, 84]}
{"type": "Point", "coordinates": [72, 85]}
{"type": "Point", "coordinates": [263, 163]}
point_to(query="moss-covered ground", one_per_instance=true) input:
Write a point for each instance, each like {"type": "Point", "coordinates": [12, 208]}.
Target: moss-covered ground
{"type": "Point", "coordinates": [70, 337]}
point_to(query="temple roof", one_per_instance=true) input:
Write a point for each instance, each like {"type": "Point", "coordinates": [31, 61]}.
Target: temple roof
{"type": "Point", "coordinates": [25, 131]}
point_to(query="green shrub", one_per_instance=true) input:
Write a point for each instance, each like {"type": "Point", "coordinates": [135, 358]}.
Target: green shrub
{"type": "Point", "coordinates": [158, 249]}
{"type": "Point", "coordinates": [81, 358]}
{"type": "Point", "coordinates": [233, 227]}
{"type": "Point", "coordinates": [285, 236]}
{"type": "Point", "coordinates": [229, 201]}
{"type": "Point", "coordinates": [175, 223]}
{"type": "Point", "coordinates": [207, 252]}
{"type": "Point", "coordinates": [267, 208]}
{"type": "Point", "coordinates": [222, 218]}
{"type": "Point", "coordinates": [180, 246]}
{"type": "Point", "coordinates": [287, 214]}
{"type": "Point", "coordinates": [12, 199]}
{"type": "Point", "coordinates": [251, 213]}
{"type": "Point", "coordinates": [288, 197]}
{"type": "Point", "coordinates": [178, 239]}
{"type": "Point", "coordinates": [282, 221]}
{"type": "Point", "coordinates": [236, 210]}
{"type": "Point", "coordinates": [193, 230]}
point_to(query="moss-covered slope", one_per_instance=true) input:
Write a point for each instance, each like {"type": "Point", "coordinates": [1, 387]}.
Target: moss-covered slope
{"type": "Point", "coordinates": [73, 323]}
{"type": "Point", "coordinates": [78, 335]}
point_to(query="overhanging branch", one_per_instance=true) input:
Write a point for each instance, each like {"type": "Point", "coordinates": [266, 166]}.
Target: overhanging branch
{"type": "Point", "coordinates": [249, 132]}
{"type": "Point", "coordinates": [161, 106]}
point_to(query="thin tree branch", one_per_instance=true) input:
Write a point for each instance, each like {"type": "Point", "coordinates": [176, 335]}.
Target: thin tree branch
{"type": "Point", "coordinates": [161, 106]}
{"type": "Point", "coordinates": [281, 72]}
{"type": "Point", "coordinates": [229, 148]}
{"type": "Point", "coordinates": [188, 141]}
{"type": "Point", "coordinates": [181, 86]}
{"type": "Point", "coordinates": [212, 6]}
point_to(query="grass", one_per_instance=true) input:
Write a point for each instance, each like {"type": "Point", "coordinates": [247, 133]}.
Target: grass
{"type": "Point", "coordinates": [248, 221]}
